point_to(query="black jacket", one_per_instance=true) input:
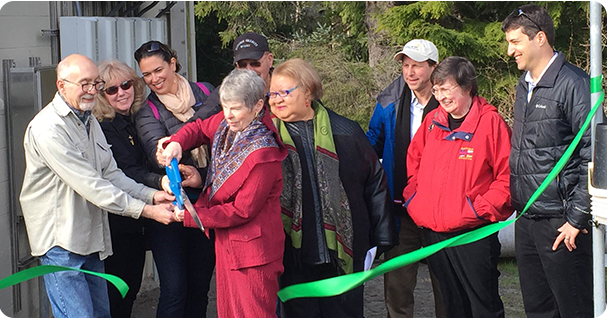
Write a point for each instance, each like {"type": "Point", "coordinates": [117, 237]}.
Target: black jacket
{"type": "Point", "coordinates": [127, 150]}
{"type": "Point", "coordinates": [365, 184]}
{"type": "Point", "coordinates": [542, 131]}
{"type": "Point", "coordinates": [150, 129]}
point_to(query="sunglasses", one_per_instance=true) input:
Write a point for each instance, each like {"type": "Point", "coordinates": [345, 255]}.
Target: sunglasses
{"type": "Point", "coordinates": [244, 64]}
{"type": "Point", "coordinates": [520, 12]}
{"type": "Point", "coordinates": [115, 89]}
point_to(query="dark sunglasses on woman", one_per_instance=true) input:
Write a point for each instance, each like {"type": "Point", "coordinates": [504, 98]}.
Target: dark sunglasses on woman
{"type": "Point", "coordinates": [115, 89]}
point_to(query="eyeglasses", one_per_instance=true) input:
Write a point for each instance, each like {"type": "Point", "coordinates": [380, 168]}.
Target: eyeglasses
{"type": "Point", "coordinates": [242, 64]}
{"type": "Point", "coordinates": [87, 87]}
{"type": "Point", "coordinates": [445, 92]}
{"type": "Point", "coordinates": [155, 46]}
{"type": "Point", "coordinates": [520, 12]}
{"type": "Point", "coordinates": [282, 93]}
{"type": "Point", "coordinates": [115, 89]}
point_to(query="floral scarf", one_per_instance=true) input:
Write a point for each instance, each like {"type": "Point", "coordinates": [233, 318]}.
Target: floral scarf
{"type": "Point", "coordinates": [230, 150]}
{"type": "Point", "coordinates": [336, 213]}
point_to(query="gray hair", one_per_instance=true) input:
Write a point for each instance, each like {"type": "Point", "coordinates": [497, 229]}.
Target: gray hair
{"type": "Point", "coordinates": [243, 86]}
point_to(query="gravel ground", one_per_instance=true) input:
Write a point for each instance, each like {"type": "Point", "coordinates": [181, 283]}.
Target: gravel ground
{"type": "Point", "coordinates": [374, 306]}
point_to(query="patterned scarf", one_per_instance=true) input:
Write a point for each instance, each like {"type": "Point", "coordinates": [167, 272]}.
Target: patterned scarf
{"type": "Point", "coordinates": [230, 150]}
{"type": "Point", "coordinates": [337, 216]}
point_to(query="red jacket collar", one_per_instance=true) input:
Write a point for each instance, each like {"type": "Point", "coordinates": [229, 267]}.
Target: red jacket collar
{"type": "Point", "coordinates": [478, 108]}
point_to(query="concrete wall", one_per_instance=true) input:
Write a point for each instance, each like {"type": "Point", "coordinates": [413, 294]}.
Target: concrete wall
{"type": "Point", "coordinates": [20, 38]}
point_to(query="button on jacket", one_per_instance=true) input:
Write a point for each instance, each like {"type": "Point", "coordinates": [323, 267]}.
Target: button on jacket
{"type": "Point", "coordinates": [71, 181]}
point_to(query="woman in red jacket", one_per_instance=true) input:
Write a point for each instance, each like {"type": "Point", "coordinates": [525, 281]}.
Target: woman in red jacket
{"type": "Point", "coordinates": [458, 180]}
{"type": "Point", "coordinates": [241, 196]}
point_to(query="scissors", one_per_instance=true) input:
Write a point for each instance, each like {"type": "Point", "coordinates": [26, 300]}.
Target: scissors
{"type": "Point", "coordinates": [182, 200]}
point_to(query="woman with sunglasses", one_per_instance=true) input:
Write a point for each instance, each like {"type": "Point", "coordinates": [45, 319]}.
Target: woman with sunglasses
{"type": "Point", "coordinates": [184, 256]}
{"type": "Point", "coordinates": [335, 201]}
{"type": "Point", "coordinates": [115, 106]}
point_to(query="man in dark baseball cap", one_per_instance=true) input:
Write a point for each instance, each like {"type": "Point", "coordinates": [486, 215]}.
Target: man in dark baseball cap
{"type": "Point", "coordinates": [251, 51]}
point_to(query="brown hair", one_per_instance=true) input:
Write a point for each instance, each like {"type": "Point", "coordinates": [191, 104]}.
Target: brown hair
{"type": "Point", "coordinates": [303, 74]}
{"type": "Point", "coordinates": [110, 71]}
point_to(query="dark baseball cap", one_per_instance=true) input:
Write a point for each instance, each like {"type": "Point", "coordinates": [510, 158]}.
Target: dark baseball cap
{"type": "Point", "coordinates": [249, 46]}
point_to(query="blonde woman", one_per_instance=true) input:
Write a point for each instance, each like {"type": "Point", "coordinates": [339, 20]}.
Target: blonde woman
{"type": "Point", "coordinates": [116, 104]}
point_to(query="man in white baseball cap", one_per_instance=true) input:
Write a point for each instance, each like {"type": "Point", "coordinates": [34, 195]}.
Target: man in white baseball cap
{"type": "Point", "coordinates": [398, 114]}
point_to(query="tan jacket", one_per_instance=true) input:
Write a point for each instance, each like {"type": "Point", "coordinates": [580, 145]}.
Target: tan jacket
{"type": "Point", "coordinates": [71, 182]}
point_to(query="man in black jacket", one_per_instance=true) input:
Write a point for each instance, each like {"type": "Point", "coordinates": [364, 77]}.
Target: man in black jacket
{"type": "Point", "coordinates": [552, 244]}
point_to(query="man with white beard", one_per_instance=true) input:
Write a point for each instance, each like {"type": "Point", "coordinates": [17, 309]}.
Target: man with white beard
{"type": "Point", "coordinates": [71, 182]}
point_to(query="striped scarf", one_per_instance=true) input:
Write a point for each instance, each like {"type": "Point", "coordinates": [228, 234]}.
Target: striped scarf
{"type": "Point", "coordinates": [336, 213]}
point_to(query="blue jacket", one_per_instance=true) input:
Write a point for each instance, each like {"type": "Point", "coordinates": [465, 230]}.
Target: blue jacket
{"type": "Point", "coordinates": [382, 125]}
{"type": "Point", "coordinates": [382, 129]}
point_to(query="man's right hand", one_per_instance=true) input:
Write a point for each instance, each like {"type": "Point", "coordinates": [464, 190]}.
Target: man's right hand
{"type": "Point", "coordinates": [163, 213]}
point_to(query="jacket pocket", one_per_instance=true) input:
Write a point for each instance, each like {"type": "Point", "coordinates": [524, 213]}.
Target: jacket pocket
{"type": "Point", "coordinates": [472, 207]}
{"type": "Point", "coordinates": [247, 249]}
{"type": "Point", "coordinates": [406, 204]}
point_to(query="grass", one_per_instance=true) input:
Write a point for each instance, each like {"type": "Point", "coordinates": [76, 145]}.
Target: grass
{"type": "Point", "coordinates": [510, 289]}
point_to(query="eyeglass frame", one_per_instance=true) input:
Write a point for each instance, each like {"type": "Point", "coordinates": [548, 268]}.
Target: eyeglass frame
{"type": "Point", "coordinates": [127, 82]}
{"type": "Point", "coordinates": [276, 94]}
{"type": "Point", "coordinates": [520, 12]}
{"type": "Point", "coordinates": [91, 85]}
{"type": "Point", "coordinates": [445, 92]}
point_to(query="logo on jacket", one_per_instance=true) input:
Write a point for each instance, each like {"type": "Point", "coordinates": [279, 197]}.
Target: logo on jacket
{"type": "Point", "coordinates": [466, 153]}
{"type": "Point", "coordinates": [540, 106]}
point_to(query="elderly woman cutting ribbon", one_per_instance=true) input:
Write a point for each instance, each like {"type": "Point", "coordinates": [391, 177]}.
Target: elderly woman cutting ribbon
{"type": "Point", "coordinates": [241, 196]}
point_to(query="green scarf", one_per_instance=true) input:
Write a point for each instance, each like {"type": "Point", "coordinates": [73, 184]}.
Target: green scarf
{"type": "Point", "coordinates": [337, 216]}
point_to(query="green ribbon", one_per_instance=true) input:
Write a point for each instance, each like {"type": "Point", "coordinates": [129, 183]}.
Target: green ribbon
{"type": "Point", "coordinates": [338, 285]}
{"type": "Point", "coordinates": [46, 269]}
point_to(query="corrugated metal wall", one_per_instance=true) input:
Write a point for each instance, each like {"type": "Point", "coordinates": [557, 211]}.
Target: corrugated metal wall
{"type": "Point", "coordinates": [103, 38]}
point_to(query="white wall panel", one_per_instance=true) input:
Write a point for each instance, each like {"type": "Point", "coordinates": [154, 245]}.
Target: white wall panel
{"type": "Point", "coordinates": [106, 39]}
{"type": "Point", "coordinates": [103, 38]}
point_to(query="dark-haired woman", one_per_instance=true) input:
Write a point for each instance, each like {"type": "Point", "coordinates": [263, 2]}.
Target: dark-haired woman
{"type": "Point", "coordinates": [458, 180]}
{"type": "Point", "coordinates": [184, 256]}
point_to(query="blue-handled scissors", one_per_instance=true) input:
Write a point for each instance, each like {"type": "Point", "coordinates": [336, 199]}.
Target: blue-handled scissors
{"type": "Point", "coordinates": [182, 200]}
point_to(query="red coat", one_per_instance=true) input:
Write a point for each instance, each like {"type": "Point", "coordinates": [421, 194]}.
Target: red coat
{"type": "Point", "coordinates": [459, 180]}
{"type": "Point", "coordinates": [245, 215]}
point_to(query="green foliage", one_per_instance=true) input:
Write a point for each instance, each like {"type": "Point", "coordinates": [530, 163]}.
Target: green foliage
{"type": "Point", "coordinates": [334, 38]}
{"type": "Point", "coordinates": [473, 30]}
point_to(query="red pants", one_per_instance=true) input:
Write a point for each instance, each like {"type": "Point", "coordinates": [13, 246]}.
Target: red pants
{"type": "Point", "coordinates": [249, 292]}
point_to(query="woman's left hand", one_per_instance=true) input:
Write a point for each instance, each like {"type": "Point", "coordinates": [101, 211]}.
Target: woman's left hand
{"type": "Point", "coordinates": [171, 151]}
{"type": "Point", "coordinates": [178, 214]}
{"type": "Point", "coordinates": [190, 176]}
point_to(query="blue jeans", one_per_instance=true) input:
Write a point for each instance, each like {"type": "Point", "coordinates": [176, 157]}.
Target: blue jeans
{"type": "Point", "coordinates": [74, 294]}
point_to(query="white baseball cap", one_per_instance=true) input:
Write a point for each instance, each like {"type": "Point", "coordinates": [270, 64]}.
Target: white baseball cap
{"type": "Point", "coordinates": [419, 50]}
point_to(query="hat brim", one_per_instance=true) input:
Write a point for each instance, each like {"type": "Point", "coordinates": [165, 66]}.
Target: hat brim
{"type": "Point", "coordinates": [416, 56]}
{"type": "Point", "coordinates": [248, 55]}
